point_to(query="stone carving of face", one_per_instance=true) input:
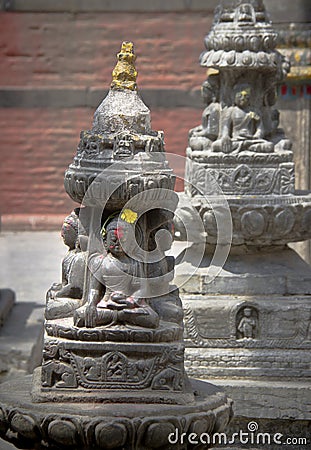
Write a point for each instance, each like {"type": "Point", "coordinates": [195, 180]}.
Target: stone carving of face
{"type": "Point", "coordinates": [242, 98]}
{"type": "Point", "coordinates": [210, 89]}
{"type": "Point", "coordinates": [69, 235]}
{"type": "Point", "coordinates": [123, 149]}
{"type": "Point", "coordinates": [247, 312]}
{"type": "Point", "coordinates": [115, 237]}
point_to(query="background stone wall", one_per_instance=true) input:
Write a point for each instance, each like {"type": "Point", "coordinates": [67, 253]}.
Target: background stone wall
{"type": "Point", "coordinates": [55, 67]}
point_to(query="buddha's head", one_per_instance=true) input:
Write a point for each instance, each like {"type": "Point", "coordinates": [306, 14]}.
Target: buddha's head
{"type": "Point", "coordinates": [69, 231]}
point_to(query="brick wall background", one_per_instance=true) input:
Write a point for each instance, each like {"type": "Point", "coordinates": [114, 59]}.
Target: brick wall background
{"type": "Point", "coordinates": [56, 60]}
{"type": "Point", "coordinates": [51, 60]}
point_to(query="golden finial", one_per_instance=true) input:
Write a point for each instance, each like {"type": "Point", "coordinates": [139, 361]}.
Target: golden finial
{"type": "Point", "coordinates": [124, 74]}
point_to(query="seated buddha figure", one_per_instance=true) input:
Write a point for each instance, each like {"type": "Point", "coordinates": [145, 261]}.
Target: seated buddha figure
{"type": "Point", "coordinates": [63, 298]}
{"type": "Point", "coordinates": [276, 134]}
{"type": "Point", "coordinates": [115, 292]}
{"type": "Point", "coordinates": [241, 126]}
{"type": "Point", "coordinates": [202, 136]}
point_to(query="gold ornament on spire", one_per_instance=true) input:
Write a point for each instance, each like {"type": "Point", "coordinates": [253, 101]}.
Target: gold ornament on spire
{"type": "Point", "coordinates": [124, 74]}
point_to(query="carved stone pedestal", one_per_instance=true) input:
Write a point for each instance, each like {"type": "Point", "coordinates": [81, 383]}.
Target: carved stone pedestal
{"type": "Point", "coordinates": [130, 371]}
{"type": "Point", "coordinates": [116, 426]}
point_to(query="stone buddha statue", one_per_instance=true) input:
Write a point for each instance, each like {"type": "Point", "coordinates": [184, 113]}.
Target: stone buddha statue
{"type": "Point", "coordinates": [63, 298]}
{"type": "Point", "coordinates": [202, 136]}
{"type": "Point", "coordinates": [115, 294]}
{"type": "Point", "coordinates": [241, 126]}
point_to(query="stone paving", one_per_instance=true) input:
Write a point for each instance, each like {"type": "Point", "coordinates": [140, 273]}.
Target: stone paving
{"type": "Point", "coordinates": [29, 264]}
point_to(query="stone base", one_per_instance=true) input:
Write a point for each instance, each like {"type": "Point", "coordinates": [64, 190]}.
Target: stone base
{"type": "Point", "coordinates": [130, 372]}
{"type": "Point", "coordinates": [252, 320]}
{"type": "Point", "coordinates": [249, 330]}
{"type": "Point", "coordinates": [248, 272]}
{"type": "Point", "coordinates": [244, 173]}
{"type": "Point", "coordinates": [109, 426]}
{"type": "Point", "coordinates": [81, 395]}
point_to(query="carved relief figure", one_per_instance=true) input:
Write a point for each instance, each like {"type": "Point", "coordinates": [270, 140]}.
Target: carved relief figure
{"type": "Point", "coordinates": [168, 379]}
{"type": "Point", "coordinates": [115, 367]}
{"type": "Point", "coordinates": [277, 135]}
{"type": "Point", "coordinates": [247, 325]}
{"type": "Point", "coordinates": [115, 294]}
{"type": "Point", "coordinates": [202, 136]}
{"type": "Point", "coordinates": [92, 369]}
{"type": "Point", "coordinates": [241, 127]}
{"type": "Point", "coordinates": [245, 13]}
{"type": "Point", "coordinates": [58, 373]}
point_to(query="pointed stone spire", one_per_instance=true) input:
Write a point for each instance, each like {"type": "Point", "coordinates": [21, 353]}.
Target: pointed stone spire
{"type": "Point", "coordinates": [124, 74]}
{"type": "Point", "coordinates": [123, 109]}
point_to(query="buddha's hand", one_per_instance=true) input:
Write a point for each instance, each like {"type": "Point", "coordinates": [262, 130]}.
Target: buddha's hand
{"type": "Point", "coordinates": [194, 130]}
{"type": "Point", "coordinates": [90, 316]}
{"type": "Point", "coordinates": [117, 300]}
{"type": "Point", "coordinates": [222, 145]}
{"type": "Point", "coordinates": [226, 144]}
{"type": "Point", "coordinates": [86, 316]}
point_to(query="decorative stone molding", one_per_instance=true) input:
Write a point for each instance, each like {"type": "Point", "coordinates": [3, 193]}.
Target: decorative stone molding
{"type": "Point", "coordinates": [60, 426]}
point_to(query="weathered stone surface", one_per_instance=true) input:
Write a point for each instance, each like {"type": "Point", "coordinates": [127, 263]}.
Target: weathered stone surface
{"type": "Point", "coordinates": [251, 361]}
{"type": "Point", "coordinates": [269, 400]}
{"type": "Point", "coordinates": [271, 271]}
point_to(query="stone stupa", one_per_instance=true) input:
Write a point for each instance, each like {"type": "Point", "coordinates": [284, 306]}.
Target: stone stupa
{"type": "Point", "coordinates": [247, 321]}
{"type": "Point", "coordinates": [112, 375]}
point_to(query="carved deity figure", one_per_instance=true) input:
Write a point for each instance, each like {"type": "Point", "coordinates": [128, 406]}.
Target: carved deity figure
{"type": "Point", "coordinates": [202, 136]}
{"type": "Point", "coordinates": [123, 147]}
{"type": "Point", "coordinates": [115, 295]}
{"type": "Point", "coordinates": [245, 13]}
{"type": "Point", "coordinates": [241, 126]}
{"type": "Point", "coordinates": [271, 118]}
{"type": "Point", "coordinates": [277, 135]}
{"type": "Point", "coordinates": [62, 298]}
{"type": "Point", "coordinates": [247, 324]}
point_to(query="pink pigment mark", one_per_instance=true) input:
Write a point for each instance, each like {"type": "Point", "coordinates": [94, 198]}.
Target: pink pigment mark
{"type": "Point", "coordinates": [119, 233]}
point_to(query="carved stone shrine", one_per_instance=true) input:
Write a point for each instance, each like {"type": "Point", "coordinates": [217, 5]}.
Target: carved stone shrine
{"type": "Point", "coordinates": [247, 311]}
{"type": "Point", "coordinates": [112, 375]}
